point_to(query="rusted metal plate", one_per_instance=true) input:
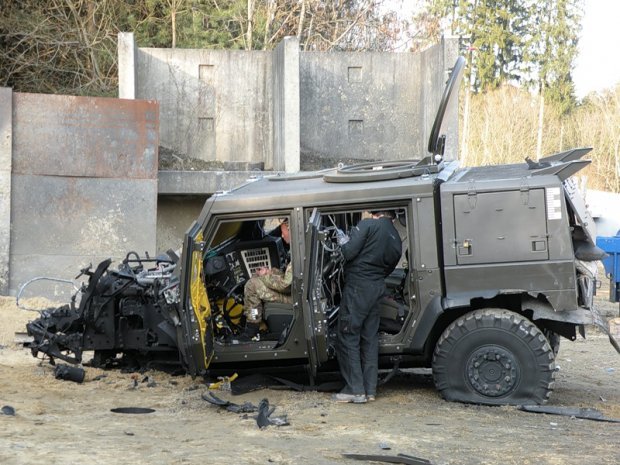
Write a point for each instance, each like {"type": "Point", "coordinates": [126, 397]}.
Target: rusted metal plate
{"type": "Point", "coordinates": [61, 223]}
{"type": "Point", "coordinates": [82, 216]}
{"type": "Point", "coordinates": [62, 135]}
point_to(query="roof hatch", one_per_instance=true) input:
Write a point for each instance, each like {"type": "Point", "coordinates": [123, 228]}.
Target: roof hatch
{"type": "Point", "coordinates": [437, 140]}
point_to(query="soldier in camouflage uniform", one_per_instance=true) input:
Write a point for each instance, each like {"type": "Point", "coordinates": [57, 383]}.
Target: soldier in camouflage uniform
{"type": "Point", "coordinates": [270, 286]}
{"type": "Point", "coordinates": [267, 285]}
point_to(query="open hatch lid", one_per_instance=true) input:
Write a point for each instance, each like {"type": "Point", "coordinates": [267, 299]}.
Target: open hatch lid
{"type": "Point", "coordinates": [387, 170]}
{"type": "Point", "coordinates": [437, 139]}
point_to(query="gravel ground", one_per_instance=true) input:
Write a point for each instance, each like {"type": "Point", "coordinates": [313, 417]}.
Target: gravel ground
{"type": "Point", "coordinates": [61, 422]}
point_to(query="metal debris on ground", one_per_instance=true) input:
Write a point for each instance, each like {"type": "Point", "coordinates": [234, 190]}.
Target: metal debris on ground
{"type": "Point", "coordinates": [132, 410]}
{"type": "Point", "coordinates": [8, 410]}
{"type": "Point", "coordinates": [400, 458]}
{"type": "Point", "coordinates": [264, 418]}
{"type": "Point", "coordinates": [69, 373]}
{"type": "Point", "coordinates": [577, 412]}
{"type": "Point", "coordinates": [224, 382]}
{"type": "Point", "coordinates": [246, 407]}
{"type": "Point", "coordinates": [150, 382]}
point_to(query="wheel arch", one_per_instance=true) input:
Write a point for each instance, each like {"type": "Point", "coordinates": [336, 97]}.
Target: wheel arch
{"type": "Point", "coordinates": [538, 310]}
{"type": "Point", "coordinates": [440, 313]}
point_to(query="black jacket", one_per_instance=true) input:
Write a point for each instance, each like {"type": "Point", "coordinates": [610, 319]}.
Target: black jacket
{"type": "Point", "coordinates": [373, 251]}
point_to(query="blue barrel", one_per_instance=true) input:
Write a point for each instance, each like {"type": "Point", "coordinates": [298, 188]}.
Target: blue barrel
{"type": "Point", "coordinates": [611, 245]}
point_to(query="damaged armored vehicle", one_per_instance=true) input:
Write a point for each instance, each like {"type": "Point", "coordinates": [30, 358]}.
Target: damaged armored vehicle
{"type": "Point", "coordinates": [498, 265]}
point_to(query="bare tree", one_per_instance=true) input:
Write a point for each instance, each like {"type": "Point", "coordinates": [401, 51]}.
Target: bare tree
{"type": "Point", "coordinates": [59, 46]}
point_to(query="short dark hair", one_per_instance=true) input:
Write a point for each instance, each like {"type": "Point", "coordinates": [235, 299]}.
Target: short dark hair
{"type": "Point", "coordinates": [388, 213]}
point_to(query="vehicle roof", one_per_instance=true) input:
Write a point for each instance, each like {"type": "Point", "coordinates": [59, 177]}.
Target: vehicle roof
{"type": "Point", "coordinates": [493, 172]}
{"type": "Point", "coordinates": [312, 190]}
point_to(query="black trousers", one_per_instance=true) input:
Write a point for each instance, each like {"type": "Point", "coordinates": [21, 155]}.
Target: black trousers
{"type": "Point", "coordinates": [358, 341]}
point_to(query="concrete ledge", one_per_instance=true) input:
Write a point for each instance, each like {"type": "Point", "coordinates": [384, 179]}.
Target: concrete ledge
{"type": "Point", "coordinates": [203, 182]}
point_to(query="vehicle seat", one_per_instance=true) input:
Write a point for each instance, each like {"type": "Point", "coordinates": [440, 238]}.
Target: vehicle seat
{"type": "Point", "coordinates": [278, 316]}
{"type": "Point", "coordinates": [392, 315]}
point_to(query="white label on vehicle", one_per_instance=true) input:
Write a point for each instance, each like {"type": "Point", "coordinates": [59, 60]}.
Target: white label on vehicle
{"type": "Point", "coordinates": [554, 203]}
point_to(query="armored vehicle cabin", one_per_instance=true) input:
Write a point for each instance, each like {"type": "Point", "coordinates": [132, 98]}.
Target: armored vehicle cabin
{"type": "Point", "coordinates": [498, 265]}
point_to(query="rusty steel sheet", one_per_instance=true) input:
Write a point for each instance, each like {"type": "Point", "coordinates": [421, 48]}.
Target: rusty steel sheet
{"type": "Point", "coordinates": [61, 135]}
{"type": "Point", "coordinates": [82, 216]}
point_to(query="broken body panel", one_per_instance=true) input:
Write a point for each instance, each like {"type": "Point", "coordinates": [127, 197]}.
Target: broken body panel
{"type": "Point", "coordinates": [487, 284]}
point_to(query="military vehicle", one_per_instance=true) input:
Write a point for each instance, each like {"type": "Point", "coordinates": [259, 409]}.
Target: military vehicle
{"type": "Point", "coordinates": [499, 264]}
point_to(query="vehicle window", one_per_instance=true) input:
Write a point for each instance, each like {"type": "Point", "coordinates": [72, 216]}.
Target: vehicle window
{"type": "Point", "coordinates": [237, 251]}
{"type": "Point", "coordinates": [394, 306]}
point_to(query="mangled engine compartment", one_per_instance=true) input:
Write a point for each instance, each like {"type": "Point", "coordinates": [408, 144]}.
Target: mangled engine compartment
{"type": "Point", "coordinates": [131, 310]}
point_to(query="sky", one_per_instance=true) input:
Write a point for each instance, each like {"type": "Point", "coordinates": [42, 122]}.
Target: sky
{"type": "Point", "coordinates": [598, 64]}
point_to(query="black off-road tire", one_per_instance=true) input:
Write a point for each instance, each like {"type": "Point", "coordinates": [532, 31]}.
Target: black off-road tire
{"type": "Point", "coordinates": [494, 357]}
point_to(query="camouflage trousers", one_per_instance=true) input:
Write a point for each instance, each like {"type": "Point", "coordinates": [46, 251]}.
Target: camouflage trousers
{"type": "Point", "coordinates": [256, 292]}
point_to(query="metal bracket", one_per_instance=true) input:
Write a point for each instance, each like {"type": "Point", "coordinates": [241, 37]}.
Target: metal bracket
{"type": "Point", "coordinates": [525, 191]}
{"type": "Point", "coordinates": [472, 194]}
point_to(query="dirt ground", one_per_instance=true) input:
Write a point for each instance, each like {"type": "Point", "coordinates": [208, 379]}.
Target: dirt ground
{"type": "Point", "coordinates": [61, 422]}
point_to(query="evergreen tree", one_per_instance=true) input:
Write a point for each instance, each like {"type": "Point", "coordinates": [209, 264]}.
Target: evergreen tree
{"type": "Point", "coordinates": [552, 49]}
{"type": "Point", "coordinates": [520, 41]}
{"type": "Point", "coordinates": [493, 31]}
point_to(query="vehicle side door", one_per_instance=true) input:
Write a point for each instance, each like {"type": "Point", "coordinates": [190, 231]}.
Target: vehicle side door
{"type": "Point", "coordinates": [313, 302]}
{"type": "Point", "coordinates": [195, 334]}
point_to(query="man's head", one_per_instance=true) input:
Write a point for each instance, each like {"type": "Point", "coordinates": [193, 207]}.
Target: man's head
{"type": "Point", "coordinates": [286, 232]}
{"type": "Point", "coordinates": [383, 213]}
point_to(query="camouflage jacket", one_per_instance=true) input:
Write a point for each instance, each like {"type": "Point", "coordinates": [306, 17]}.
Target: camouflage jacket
{"type": "Point", "coordinates": [279, 281]}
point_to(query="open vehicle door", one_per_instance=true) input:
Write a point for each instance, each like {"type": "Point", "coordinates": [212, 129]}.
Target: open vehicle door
{"type": "Point", "coordinates": [313, 302]}
{"type": "Point", "coordinates": [195, 335]}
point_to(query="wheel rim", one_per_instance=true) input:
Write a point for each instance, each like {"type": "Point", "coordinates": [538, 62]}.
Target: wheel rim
{"type": "Point", "coordinates": [492, 371]}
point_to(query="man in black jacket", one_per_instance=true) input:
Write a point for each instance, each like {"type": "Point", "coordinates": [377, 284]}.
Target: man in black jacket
{"type": "Point", "coordinates": [371, 254]}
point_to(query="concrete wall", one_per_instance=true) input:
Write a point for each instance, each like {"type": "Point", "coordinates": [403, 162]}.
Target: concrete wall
{"type": "Point", "coordinates": [286, 111]}
{"type": "Point", "coordinates": [214, 104]}
{"type": "Point", "coordinates": [371, 106]}
{"type": "Point", "coordinates": [267, 106]}
{"type": "Point", "coordinates": [84, 183]}
{"type": "Point", "coordinates": [6, 135]}
{"type": "Point", "coordinates": [175, 214]}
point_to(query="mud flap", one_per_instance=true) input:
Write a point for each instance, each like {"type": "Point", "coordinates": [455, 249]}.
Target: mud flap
{"type": "Point", "coordinates": [599, 322]}
{"type": "Point", "coordinates": [578, 317]}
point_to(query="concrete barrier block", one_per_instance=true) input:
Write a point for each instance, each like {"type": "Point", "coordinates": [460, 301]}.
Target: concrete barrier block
{"type": "Point", "coordinates": [202, 182]}
{"type": "Point", "coordinates": [6, 156]}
